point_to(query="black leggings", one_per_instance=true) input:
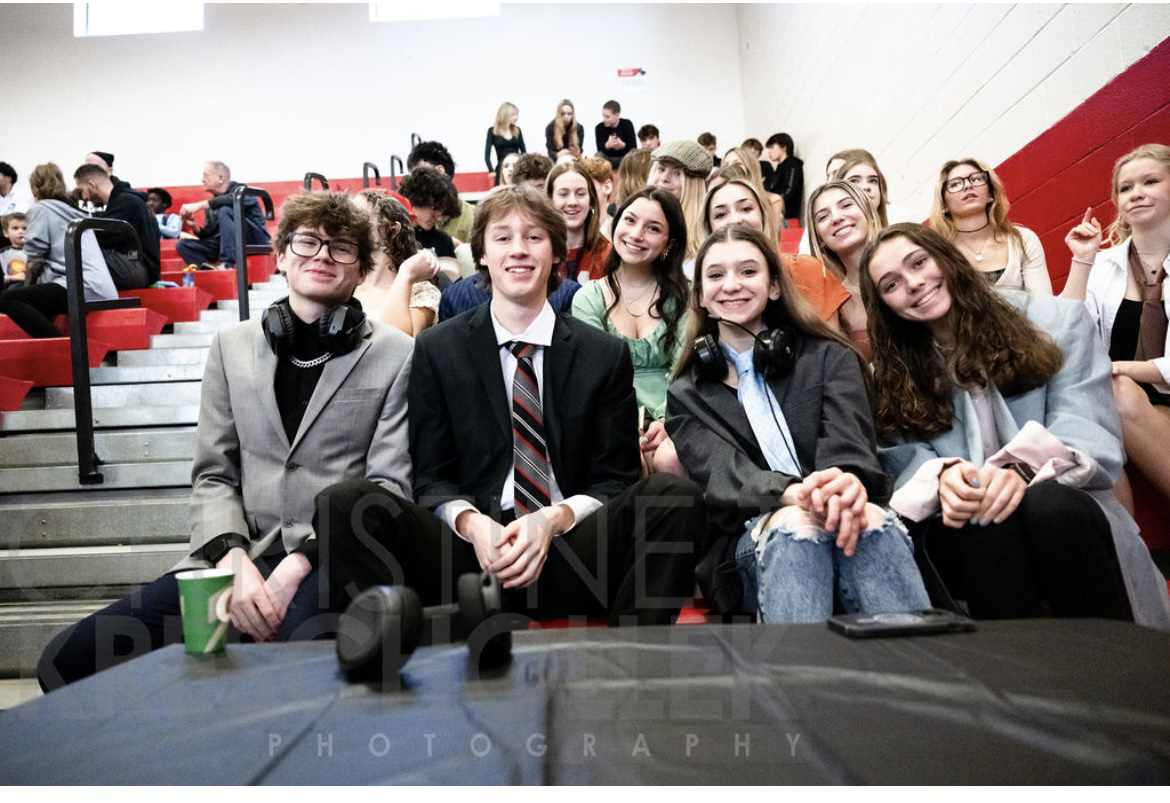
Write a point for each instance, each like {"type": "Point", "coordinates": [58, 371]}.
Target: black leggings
{"type": "Point", "coordinates": [33, 308]}
{"type": "Point", "coordinates": [1056, 549]}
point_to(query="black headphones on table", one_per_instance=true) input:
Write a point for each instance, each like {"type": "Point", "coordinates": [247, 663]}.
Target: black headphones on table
{"type": "Point", "coordinates": [383, 625]}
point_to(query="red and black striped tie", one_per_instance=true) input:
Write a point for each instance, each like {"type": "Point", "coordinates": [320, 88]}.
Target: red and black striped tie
{"type": "Point", "coordinates": [530, 450]}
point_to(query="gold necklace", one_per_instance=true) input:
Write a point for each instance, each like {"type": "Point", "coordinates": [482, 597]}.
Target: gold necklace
{"type": "Point", "coordinates": [648, 289]}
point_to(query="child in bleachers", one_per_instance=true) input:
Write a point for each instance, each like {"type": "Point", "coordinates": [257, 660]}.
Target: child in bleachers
{"type": "Point", "coordinates": [13, 260]}
{"type": "Point", "coordinates": [159, 201]}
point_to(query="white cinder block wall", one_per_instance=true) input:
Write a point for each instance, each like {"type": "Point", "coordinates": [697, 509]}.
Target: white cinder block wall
{"type": "Point", "coordinates": [321, 88]}
{"type": "Point", "coordinates": [920, 84]}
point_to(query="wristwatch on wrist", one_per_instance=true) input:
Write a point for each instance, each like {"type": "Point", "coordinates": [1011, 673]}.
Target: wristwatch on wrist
{"type": "Point", "coordinates": [1027, 474]}
{"type": "Point", "coordinates": [216, 548]}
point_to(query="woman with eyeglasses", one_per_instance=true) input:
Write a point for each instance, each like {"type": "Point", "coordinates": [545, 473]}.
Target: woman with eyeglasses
{"type": "Point", "coordinates": [1127, 291]}
{"type": "Point", "coordinates": [970, 210]}
{"type": "Point", "coordinates": [398, 291]}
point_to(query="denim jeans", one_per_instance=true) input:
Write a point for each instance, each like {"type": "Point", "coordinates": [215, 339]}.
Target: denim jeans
{"type": "Point", "coordinates": [788, 576]}
{"type": "Point", "coordinates": [222, 245]}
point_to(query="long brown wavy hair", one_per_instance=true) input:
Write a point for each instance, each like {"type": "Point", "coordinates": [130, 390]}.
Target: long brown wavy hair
{"type": "Point", "coordinates": [994, 344]}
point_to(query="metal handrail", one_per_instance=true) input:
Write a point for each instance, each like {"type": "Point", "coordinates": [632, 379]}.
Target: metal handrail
{"type": "Point", "coordinates": [366, 168]}
{"type": "Point", "coordinates": [395, 160]}
{"type": "Point", "coordinates": [243, 252]}
{"type": "Point", "coordinates": [415, 139]}
{"type": "Point", "coordinates": [87, 459]}
{"type": "Point", "coordinates": [309, 177]}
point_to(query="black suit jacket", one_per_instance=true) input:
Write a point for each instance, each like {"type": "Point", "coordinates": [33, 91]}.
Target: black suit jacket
{"type": "Point", "coordinates": [461, 426]}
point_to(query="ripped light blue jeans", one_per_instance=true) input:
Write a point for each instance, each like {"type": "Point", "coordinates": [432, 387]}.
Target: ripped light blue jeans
{"type": "Point", "coordinates": [788, 574]}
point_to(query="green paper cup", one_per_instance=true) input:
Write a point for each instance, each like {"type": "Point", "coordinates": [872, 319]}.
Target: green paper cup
{"type": "Point", "coordinates": [204, 598]}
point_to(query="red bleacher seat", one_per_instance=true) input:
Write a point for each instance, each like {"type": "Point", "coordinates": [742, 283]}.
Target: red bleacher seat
{"type": "Point", "coordinates": [261, 268]}
{"type": "Point", "coordinates": [119, 328]}
{"type": "Point", "coordinates": [175, 303]}
{"type": "Point", "coordinates": [44, 361]}
{"type": "Point", "coordinates": [10, 331]}
{"type": "Point", "coordinates": [790, 240]}
{"type": "Point", "coordinates": [1149, 511]}
{"type": "Point", "coordinates": [221, 284]}
{"type": "Point", "coordinates": [695, 614]}
{"type": "Point", "coordinates": [12, 392]}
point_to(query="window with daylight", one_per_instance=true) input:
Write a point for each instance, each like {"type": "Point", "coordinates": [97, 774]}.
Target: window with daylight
{"type": "Point", "coordinates": [115, 19]}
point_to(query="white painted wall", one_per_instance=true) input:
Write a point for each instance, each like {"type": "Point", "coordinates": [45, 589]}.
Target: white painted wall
{"type": "Point", "coordinates": [321, 88]}
{"type": "Point", "coordinates": [920, 84]}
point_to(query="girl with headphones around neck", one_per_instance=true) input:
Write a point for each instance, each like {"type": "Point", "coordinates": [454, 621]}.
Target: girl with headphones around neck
{"type": "Point", "coordinates": [769, 409]}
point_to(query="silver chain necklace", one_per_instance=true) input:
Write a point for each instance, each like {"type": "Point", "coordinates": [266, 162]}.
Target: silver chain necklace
{"type": "Point", "coordinates": [313, 363]}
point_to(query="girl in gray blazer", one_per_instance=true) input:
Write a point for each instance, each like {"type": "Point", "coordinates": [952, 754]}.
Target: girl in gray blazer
{"type": "Point", "coordinates": [1003, 438]}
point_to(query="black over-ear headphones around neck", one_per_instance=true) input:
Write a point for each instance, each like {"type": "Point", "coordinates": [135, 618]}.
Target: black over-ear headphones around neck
{"type": "Point", "coordinates": [773, 354]}
{"type": "Point", "coordinates": [340, 328]}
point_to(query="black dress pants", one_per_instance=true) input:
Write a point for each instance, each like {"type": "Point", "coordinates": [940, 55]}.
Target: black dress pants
{"type": "Point", "coordinates": [1054, 553]}
{"type": "Point", "coordinates": [149, 619]}
{"type": "Point", "coordinates": [634, 558]}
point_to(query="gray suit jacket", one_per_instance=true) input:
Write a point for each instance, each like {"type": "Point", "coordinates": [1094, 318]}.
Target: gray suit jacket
{"type": "Point", "coordinates": [247, 477]}
{"type": "Point", "coordinates": [1077, 407]}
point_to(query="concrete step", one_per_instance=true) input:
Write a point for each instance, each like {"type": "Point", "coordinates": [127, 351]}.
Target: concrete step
{"type": "Point", "coordinates": [18, 690]}
{"type": "Point", "coordinates": [26, 629]}
{"type": "Point", "coordinates": [275, 284]}
{"type": "Point", "coordinates": [199, 339]}
{"type": "Point", "coordinates": [84, 518]}
{"type": "Point", "coordinates": [86, 571]}
{"type": "Point", "coordinates": [221, 316]}
{"type": "Point", "coordinates": [256, 301]}
{"type": "Point", "coordinates": [104, 418]}
{"type": "Point", "coordinates": [151, 394]}
{"type": "Point", "coordinates": [201, 326]}
{"type": "Point", "coordinates": [114, 446]}
{"type": "Point", "coordinates": [143, 357]}
{"type": "Point", "coordinates": [164, 474]}
{"type": "Point", "coordinates": [119, 375]}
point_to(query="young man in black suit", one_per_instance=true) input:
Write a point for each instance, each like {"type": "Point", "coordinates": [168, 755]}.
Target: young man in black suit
{"type": "Point", "coordinates": [524, 444]}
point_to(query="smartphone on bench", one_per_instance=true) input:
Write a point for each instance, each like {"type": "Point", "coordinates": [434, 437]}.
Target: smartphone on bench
{"type": "Point", "coordinates": [910, 623]}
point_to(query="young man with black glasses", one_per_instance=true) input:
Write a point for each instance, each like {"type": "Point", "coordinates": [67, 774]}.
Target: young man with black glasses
{"type": "Point", "coordinates": [310, 394]}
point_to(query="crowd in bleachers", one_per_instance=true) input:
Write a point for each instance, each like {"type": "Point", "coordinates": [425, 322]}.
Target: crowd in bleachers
{"type": "Point", "coordinates": [863, 413]}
